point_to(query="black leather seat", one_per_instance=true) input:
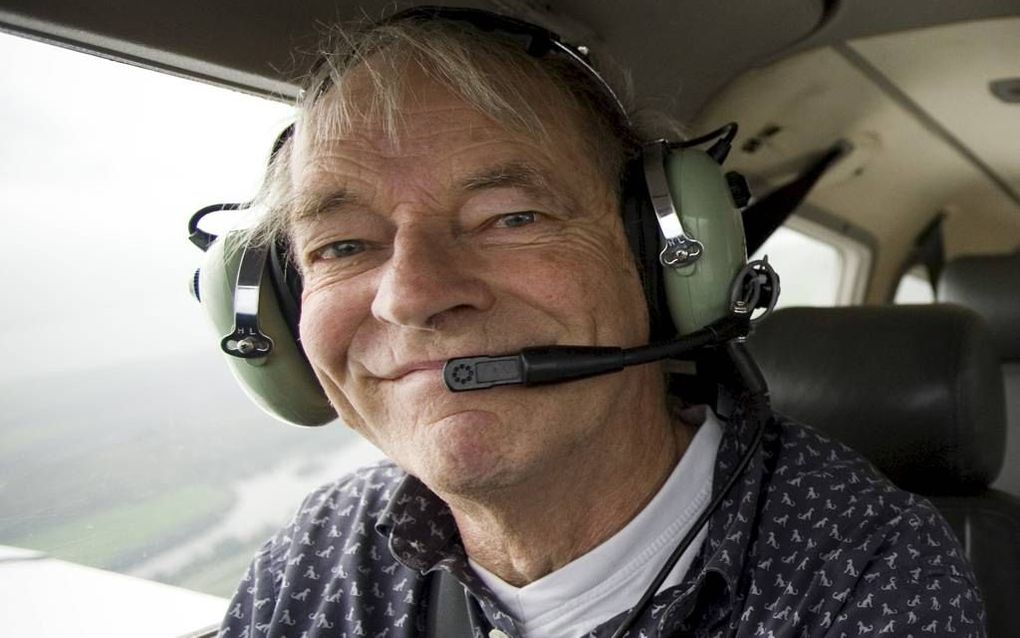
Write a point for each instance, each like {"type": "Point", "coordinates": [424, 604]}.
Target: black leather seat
{"type": "Point", "coordinates": [990, 286]}
{"type": "Point", "coordinates": [918, 390]}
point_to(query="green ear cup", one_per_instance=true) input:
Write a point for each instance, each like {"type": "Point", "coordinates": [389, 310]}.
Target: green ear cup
{"type": "Point", "coordinates": [699, 294]}
{"type": "Point", "coordinates": [282, 383]}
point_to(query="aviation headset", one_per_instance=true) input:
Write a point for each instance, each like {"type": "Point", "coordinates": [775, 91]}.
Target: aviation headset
{"type": "Point", "coordinates": [680, 217]}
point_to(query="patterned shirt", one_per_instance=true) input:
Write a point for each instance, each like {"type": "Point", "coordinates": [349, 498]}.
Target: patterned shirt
{"type": "Point", "coordinates": [813, 541]}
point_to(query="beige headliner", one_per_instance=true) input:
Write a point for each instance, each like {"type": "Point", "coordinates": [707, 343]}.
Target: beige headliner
{"type": "Point", "coordinates": [903, 170]}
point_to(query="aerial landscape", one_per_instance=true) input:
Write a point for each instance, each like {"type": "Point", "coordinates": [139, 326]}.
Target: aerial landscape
{"type": "Point", "coordinates": [176, 481]}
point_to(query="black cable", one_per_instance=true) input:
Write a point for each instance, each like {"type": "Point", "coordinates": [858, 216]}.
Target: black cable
{"type": "Point", "coordinates": [726, 131]}
{"type": "Point", "coordinates": [717, 332]}
{"type": "Point", "coordinates": [758, 409]}
{"type": "Point", "coordinates": [723, 136]}
{"type": "Point", "coordinates": [204, 239]}
{"type": "Point", "coordinates": [555, 364]}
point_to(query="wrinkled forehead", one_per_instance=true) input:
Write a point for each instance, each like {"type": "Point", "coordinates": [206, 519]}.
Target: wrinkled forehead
{"type": "Point", "coordinates": [409, 110]}
{"type": "Point", "coordinates": [378, 96]}
{"type": "Point", "coordinates": [432, 137]}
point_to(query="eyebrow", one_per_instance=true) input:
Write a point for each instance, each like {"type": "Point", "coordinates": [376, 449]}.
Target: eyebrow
{"type": "Point", "coordinates": [516, 174]}
{"type": "Point", "coordinates": [314, 205]}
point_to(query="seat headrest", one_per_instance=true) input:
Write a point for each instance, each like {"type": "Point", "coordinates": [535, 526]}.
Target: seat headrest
{"type": "Point", "coordinates": [917, 389]}
{"type": "Point", "coordinates": [990, 286]}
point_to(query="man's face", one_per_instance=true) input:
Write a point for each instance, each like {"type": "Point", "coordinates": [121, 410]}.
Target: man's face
{"type": "Point", "coordinates": [463, 238]}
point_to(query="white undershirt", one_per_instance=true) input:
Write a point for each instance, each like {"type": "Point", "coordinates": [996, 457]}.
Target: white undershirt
{"type": "Point", "coordinates": [585, 593]}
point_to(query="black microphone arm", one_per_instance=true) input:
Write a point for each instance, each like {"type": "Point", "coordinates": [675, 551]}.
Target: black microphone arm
{"type": "Point", "coordinates": [553, 364]}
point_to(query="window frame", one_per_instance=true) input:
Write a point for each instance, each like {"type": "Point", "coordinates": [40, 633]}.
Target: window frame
{"type": "Point", "coordinates": [854, 246]}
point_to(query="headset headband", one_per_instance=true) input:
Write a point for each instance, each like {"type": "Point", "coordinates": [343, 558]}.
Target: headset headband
{"type": "Point", "coordinates": [537, 41]}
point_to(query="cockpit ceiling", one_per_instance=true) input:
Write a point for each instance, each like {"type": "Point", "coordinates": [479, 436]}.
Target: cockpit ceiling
{"type": "Point", "coordinates": [928, 135]}
{"type": "Point", "coordinates": [947, 73]}
{"type": "Point", "coordinates": [681, 52]}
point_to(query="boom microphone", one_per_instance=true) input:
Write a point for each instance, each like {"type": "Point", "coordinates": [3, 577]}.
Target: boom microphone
{"type": "Point", "coordinates": [756, 286]}
{"type": "Point", "coordinates": [554, 364]}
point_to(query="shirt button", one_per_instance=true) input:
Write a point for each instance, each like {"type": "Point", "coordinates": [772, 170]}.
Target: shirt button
{"type": "Point", "coordinates": [495, 633]}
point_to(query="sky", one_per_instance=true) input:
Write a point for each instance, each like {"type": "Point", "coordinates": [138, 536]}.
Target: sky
{"type": "Point", "coordinates": [101, 166]}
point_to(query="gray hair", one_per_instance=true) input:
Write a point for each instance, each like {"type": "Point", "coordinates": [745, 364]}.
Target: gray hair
{"type": "Point", "coordinates": [490, 72]}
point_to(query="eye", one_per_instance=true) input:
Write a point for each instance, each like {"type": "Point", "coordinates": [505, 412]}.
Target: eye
{"type": "Point", "coordinates": [341, 249]}
{"type": "Point", "coordinates": [515, 220]}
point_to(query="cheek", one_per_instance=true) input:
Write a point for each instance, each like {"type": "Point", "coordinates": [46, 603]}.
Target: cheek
{"type": "Point", "coordinates": [590, 281]}
{"type": "Point", "coordinates": [330, 321]}
{"type": "Point", "coordinates": [330, 317]}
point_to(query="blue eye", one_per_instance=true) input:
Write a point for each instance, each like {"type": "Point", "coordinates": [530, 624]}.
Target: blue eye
{"type": "Point", "coordinates": [515, 220]}
{"type": "Point", "coordinates": [342, 249]}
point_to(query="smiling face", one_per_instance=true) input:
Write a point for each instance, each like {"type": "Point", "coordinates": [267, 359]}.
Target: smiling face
{"type": "Point", "coordinates": [458, 238]}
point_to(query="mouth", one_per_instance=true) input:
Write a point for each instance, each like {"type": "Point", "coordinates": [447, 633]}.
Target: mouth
{"type": "Point", "coordinates": [413, 368]}
{"type": "Point", "coordinates": [432, 366]}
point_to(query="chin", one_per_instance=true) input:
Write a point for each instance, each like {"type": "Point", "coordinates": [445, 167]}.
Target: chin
{"type": "Point", "coordinates": [464, 459]}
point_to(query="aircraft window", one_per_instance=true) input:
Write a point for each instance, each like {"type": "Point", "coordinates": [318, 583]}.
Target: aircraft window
{"type": "Point", "coordinates": [125, 443]}
{"type": "Point", "coordinates": [814, 269]}
{"type": "Point", "coordinates": [914, 287]}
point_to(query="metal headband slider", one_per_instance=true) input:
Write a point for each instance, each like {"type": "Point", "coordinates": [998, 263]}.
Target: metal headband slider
{"type": "Point", "coordinates": [680, 249]}
{"type": "Point", "coordinates": [246, 340]}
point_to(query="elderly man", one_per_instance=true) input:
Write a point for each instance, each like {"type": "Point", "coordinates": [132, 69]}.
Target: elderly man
{"type": "Point", "coordinates": [448, 191]}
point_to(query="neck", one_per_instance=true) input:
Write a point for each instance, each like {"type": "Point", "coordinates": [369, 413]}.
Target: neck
{"type": "Point", "coordinates": [523, 532]}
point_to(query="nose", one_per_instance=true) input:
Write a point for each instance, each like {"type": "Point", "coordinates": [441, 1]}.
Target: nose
{"type": "Point", "coordinates": [428, 280]}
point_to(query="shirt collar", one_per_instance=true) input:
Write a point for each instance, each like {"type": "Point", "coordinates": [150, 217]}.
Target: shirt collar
{"type": "Point", "coordinates": [423, 536]}
{"type": "Point", "coordinates": [421, 529]}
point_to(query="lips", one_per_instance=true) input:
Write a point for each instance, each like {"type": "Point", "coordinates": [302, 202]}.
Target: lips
{"type": "Point", "coordinates": [402, 358]}
{"type": "Point", "coordinates": [394, 372]}
{"type": "Point", "coordinates": [412, 367]}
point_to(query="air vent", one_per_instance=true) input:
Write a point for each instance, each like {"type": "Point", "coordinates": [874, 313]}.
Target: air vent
{"type": "Point", "coordinates": [1007, 90]}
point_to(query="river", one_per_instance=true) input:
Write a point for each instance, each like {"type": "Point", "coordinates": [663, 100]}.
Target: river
{"type": "Point", "coordinates": [264, 500]}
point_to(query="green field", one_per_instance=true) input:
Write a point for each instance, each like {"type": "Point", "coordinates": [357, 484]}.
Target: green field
{"type": "Point", "coordinates": [120, 465]}
{"type": "Point", "coordinates": [114, 537]}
